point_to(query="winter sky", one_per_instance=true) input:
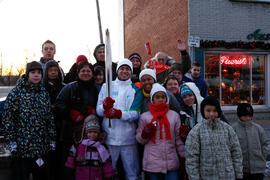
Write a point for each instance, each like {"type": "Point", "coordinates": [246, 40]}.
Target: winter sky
{"type": "Point", "coordinates": [71, 24]}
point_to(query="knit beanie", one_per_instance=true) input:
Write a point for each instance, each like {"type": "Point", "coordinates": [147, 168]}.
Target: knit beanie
{"type": "Point", "coordinates": [125, 62]}
{"type": "Point", "coordinates": [149, 72]}
{"type": "Point", "coordinates": [185, 90]}
{"type": "Point", "coordinates": [244, 109]}
{"type": "Point", "coordinates": [156, 87]}
{"type": "Point", "coordinates": [210, 100]}
{"type": "Point", "coordinates": [135, 55]}
{"type": "Point", "coordinates": [91, 124]}
{"type": "Point", "coordinates": [33, 66]}
{"type": "Point", "coordinates": [81, 58]}
{"type": "Point", "coordinates": [176, 66]}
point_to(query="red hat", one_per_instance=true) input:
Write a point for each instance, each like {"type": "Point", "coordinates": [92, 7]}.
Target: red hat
{"type": "Point", "coordinates": [81, 58]}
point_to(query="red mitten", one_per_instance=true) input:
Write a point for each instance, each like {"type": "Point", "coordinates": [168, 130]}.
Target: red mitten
{"type": "Point", "coordinates": [108, 103]}
{"type": "Point", "coordinates": [91, 110]}
{"type": "Point", "coordinates": [76, 116]}
{"type": "Point", "coordinates": [113, 113]}
{"type": "Point", "coordinates": [149, 131]}
{"type": "Point", "coordinates": [184, 130]}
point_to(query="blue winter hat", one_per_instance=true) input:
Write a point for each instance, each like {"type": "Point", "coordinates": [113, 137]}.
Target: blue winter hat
{"type": "Point", "coordinates": [185, 90]}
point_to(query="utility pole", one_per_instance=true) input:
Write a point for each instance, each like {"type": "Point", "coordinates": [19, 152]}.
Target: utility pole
{"type": "Point", "coordinates": [99, 23]}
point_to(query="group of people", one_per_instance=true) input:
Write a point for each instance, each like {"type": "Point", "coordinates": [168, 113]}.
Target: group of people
{"type": "Point", "coordinates": [164, 126]}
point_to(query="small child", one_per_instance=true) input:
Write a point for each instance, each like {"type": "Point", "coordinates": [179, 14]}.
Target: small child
{"type": "Point", "coordinates": [253, 141]}
{"type": "Point", "coordinates": [159, 131]}
{"type": "Point", "coordinates": [195, 76]}
{"type": "Point", "coordinates": [212, 148]}
{"type": "Point", "coordinates": [91, 160]}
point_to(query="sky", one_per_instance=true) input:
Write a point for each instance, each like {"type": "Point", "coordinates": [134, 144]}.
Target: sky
{"type": "Point", "coordinates": [71, 24]}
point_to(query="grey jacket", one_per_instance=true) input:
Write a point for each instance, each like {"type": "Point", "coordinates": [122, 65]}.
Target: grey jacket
{"type": "Point", "coordinates": [254, 145]}
{"type": "Point", "coordinates": [213, 152]}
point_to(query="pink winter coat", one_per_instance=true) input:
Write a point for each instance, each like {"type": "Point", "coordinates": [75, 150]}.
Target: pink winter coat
{"type": "Point", "coordinates": [162, 156]}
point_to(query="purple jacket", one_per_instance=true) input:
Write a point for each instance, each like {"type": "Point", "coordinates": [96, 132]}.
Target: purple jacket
{"type": "Point", "coordinates": [91, 160]}
{"type": "Point", "coordinates": [162, 156]}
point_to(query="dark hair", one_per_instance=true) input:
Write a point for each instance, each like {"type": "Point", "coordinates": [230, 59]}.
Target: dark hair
{"type": "Point", "coordinates": [98, 70]}
{"type": "Point", "coordinates": [169, 78]}
{"type": "Point", "coordinates": [212, 101]}
{"type": "Point", "coordinates": [84, 63]}
{"type": "Point", "coordinates": [197, 64]}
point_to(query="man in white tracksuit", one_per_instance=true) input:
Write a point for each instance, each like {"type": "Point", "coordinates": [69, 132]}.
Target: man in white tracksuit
{"type": "Point", "coordinates": [123, 108]}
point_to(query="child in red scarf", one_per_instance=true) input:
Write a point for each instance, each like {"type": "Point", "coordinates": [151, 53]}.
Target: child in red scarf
{"type": "Point", "coordinates": [159, 131]}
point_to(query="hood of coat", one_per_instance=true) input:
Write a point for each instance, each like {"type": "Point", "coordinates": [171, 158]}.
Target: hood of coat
{"type": "Point", "coordinates": [49, 64]}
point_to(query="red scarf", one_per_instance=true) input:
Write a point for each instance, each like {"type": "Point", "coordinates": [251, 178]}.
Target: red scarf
{"type": "Point", "coordinates": [159, 112]}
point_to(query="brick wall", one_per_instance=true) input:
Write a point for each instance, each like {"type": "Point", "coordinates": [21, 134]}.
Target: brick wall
{"type": "Point", "coordinates": [160, 22]}
{"type": "Point", "coordinates": [227, 20]}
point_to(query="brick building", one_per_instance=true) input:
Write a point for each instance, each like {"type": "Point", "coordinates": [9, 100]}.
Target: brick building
{"type": "Point", "coordinates": [234, 43]}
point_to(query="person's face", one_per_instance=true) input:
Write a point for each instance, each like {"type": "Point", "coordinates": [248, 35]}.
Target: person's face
{"type": "Point", "coordinates": [52, 73]}
{"type": "Point", "coordinates": [93, 136]}
{"type": "Point", "coordinates": [246, 118]}
{"type": "Point", "coordinates": [173, 86]}
{"type": "Point", "coordinates": [48, 51]}
{"type": "Point", "coordinates": [147, 82]}
{"type": "Point", "coordinates": [136, 62]}
{"type": "Point", "coordinates": [99, 78]}
{"type": "Point", "coordinates": [195, 71]}
{"type": "Point", "coordinates": [159, 97]}
{"type": "Point", "coordinates": [210, 112]}
{"type": "Point", "coordinates": [161, 58]}
{"type": "Point", "coordinates": [85, 74]}
{"type": "Point", "coordinates": [177, 74]}
{"type": "Point", "coordinates": [189, 99]}
{"type": "Point", "coordinates": [124, 73]}
{"type": "Point", "coordinates": [35, 76]}
{"type": "Point", "coordinates": [100, 54]}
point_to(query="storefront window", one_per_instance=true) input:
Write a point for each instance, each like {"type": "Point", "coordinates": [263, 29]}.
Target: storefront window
{"type": "Point", "coordinates": [233, 73]}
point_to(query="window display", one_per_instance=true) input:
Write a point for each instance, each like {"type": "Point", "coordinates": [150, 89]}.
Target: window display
{"type": "Point", "coordinates": [229, 75]}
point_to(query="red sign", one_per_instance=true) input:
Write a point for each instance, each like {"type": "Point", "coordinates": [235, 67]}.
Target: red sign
{"type": "Point", "coordinates": [233, 60]}
{"type": "Point", "coordinates": [158, 66]}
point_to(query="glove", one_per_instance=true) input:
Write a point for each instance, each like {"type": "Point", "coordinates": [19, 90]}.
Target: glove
{"type": "Point", "coordinates": [108, 103]}
{"type": "Point", "coordinates": [12, 146]}
{"type": "Point", "coordinates": [91, 110]}
{"type": "Point", "coordinates": [113, 113]}
{"type": "Point", "coordinates": [149, 131]}
{"type": "Point", "coordinates": [76, 116]}
{"type": "Point", "coordinates": [53, 146]}
{"type": "Point", "coordinates": [184, 130]}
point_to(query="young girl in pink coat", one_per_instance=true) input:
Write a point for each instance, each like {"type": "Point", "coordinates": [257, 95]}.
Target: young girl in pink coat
{"type": "Point", "coordinates": [90, 159]}
{"type": "Point", "coordinates": [159, 131]}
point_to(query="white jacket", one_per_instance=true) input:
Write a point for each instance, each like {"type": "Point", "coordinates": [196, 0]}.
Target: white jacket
{"type": "Point", "coordinates": [128, 98]}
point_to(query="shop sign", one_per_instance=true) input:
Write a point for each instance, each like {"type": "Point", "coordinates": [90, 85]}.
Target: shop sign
{"type": "Point", "coordinates": [256, 35]}
{"type": "Point", "coordinates": [193, 41]}
{"type": "Point", "coordinates": [232, 60]}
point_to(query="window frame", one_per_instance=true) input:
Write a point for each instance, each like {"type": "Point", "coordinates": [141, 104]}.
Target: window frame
{"type": "Point", "coordinates": [250, 53]}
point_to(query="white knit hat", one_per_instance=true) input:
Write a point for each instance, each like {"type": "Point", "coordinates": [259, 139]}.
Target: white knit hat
{"type": "Point", "coordinates": [125, 62]}
{"type": "Point", "coordinates": [157, 88]}
{"type": "Point", "coordinates": [149, 72]}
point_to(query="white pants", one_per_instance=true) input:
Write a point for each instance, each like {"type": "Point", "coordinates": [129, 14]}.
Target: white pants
{"type": "Point", "coordinates": [130, 159]}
